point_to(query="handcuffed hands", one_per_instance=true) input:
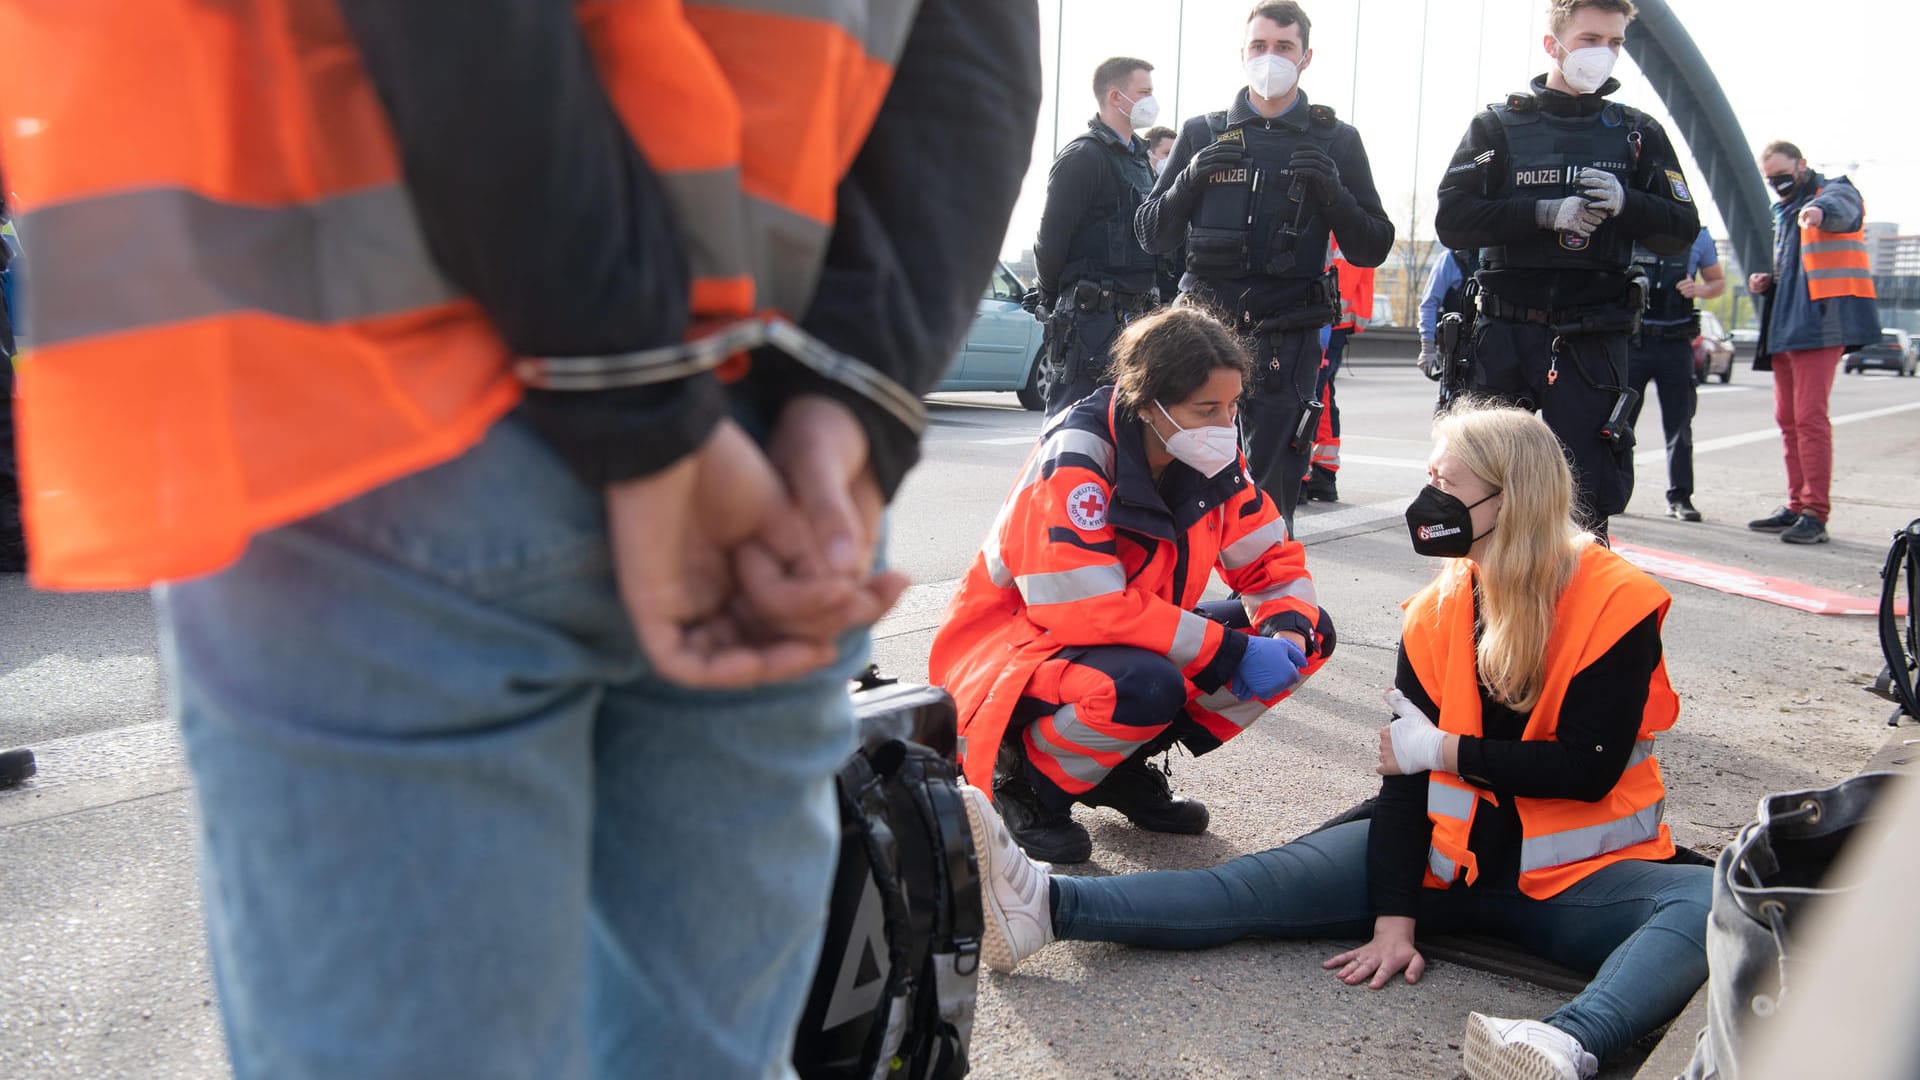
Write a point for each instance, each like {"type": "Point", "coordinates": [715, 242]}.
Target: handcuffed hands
{"type": "Point", "coordinates": [735, 573]}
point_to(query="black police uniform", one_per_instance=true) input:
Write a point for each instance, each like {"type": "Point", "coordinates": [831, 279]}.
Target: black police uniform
{"type": "Point", "coordinates": [1093, 274]}
{"type": "Point", "coordinates": [1555, 312]}
{"type": "Point", "coordinates": [1663, 353]}
{"type": "Point", "coordinates": [1256, 239]}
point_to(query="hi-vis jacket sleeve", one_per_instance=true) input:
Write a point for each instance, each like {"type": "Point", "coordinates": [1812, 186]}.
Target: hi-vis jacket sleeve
{"type": "Point", "coordinates": [1059, 549]}
{"type": "Point", "coordinates": [1267, 567]}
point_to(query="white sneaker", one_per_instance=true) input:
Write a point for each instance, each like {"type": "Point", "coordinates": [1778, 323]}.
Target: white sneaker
{"type": "Point", "coordinates": [1013, 888]}
{"type": "Point", "coordinates": [1499, 1049]}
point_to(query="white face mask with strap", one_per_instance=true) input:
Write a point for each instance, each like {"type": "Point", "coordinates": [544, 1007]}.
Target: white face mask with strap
{"type": "Point", "coordinates": [1205, 450]}
{"type": "Point", "coordinates": [1587, 70]}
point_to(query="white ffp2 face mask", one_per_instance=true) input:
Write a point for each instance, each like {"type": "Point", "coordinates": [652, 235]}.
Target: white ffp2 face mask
{"type": "Point", "coordinates": [1586, 70]}
{"type": "Point", "coordinates": [1144, 112]}
{"type": "Point", "coordinates": [1272, 75]}
{"type": "Point", "coordinates": [1206, 450]}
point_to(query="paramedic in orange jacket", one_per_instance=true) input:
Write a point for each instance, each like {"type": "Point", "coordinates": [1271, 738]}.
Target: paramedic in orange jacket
{"type": "Point", "coordinates": [1522, 797]}
{"type": "Point", "coordinates": [1072, 648]}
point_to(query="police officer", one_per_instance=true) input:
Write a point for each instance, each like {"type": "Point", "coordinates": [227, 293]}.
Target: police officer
{"type": "Point", "coordinates": [1254, 193]}
{"type": "Point", "coordinates": [1555, 187]}
{"type": "Point", "coordinates": [1445, 294]}
{"type": "Point", "coordinates": [1663, 352]}
{"type": "Point", "coordinates": [1092, 274]}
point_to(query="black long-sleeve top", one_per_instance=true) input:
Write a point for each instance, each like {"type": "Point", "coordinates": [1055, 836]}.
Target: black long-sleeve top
{"type": "Point", "coordinates": [536, 202]}
{"type": "Point", "coordinates": [1470, 215]}
{"type": "Point", "coordinates": [1599, 723]}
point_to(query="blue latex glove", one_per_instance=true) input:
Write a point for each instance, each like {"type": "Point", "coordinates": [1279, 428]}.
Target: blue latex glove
{"type": "Point", "coordinates": [1271, 665]}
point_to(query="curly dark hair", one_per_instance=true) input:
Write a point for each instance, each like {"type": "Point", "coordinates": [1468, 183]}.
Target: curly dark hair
{"type": "Point", "coordinates": [1168, 355]}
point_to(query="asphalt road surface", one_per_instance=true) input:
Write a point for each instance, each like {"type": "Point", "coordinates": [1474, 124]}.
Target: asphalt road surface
{"type": "Point", "coordinates": [102, 968]}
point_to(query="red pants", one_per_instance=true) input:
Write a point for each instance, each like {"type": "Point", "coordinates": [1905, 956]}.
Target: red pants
{"type": "Point", "coordinates": [1802, 383]}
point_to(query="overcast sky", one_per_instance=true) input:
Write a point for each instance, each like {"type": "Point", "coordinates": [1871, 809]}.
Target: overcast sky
{"type": "Point", "coordinates": [1841, 78]}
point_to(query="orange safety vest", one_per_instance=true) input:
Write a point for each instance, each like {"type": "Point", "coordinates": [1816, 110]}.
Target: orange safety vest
{"type": "Point", "coordinates": [1562, 840]}
{"type": "Point", "coordinates": [1356, 295]}
{"type": "Point", "coordinates": [1835, 264]}
{"type": "Point", "coordinates": [1054, 573]}
{"type": "Point", "coordinates": [236, 323]}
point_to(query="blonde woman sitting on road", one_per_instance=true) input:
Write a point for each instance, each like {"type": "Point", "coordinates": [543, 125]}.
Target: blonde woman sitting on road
{"type": "Point", "coordinates": [1521, 796]}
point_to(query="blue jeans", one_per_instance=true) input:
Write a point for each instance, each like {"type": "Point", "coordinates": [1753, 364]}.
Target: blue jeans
{"type": "Point", "coordinates": [1639, 927]}
{"type": "Point", "coordinates": [451, 825]}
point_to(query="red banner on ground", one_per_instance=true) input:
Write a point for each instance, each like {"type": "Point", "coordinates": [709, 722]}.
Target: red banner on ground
{"type": "Point", "coordinates": [1727, 579]}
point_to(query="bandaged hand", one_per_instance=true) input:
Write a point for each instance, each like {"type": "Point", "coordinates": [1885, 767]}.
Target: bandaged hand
{"type": "Point", "coordinates": [1414, 743]}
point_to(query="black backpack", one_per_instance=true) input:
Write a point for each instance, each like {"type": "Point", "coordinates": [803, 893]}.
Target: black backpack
{"type": "Point", "coordinates": [894, 993]}
{"type": "Point", "coordinates": [1899, 681]}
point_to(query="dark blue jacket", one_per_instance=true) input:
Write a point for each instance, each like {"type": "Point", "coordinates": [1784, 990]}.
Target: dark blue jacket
{"type": "Point", "coordinates": [1797, 321]}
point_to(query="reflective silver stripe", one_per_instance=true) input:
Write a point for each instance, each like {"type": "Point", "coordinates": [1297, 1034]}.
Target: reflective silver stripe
{"type": "Point", "coordinates": [792, 249]}
{"type": "Point", "coordinates": [1075, 441]}
{"type": "Point", "coordinates": [1829, 247]}
{"type": "Point", "coordinates": [717, 248]}
{"type": "Point", "coordinates": [1561, 848]}
{"type": "Point", "coordinates": [1067, 586]}
{"type": "Point", "coordinates": [1189, 638]}
{"type": "Point", "coordinates": [1247, 549]}
{"type": "Point", "coordinates": [1446, 800]}
{"type": "Point", "coordinates": [1240, 714]}
{"type": "Point", "coordinates": [1072, 761]}
{"type": "Point", "coordinates": [1442, 867]}
{"type": "Point", "coordinates": [114, 263]}
{"type": "Point", "coordinates": [1642, 750]}
{"type": "Point", "coordinates": [880, 26]}
{"type": "Point", "coordinates": [1822, 275]}
{"type": "Point", "coordinates": [1068, 725]}
{"type": "Point", "coordinates": [996, 570]}
{"type": "Point", "coordinates": [1297, 589]}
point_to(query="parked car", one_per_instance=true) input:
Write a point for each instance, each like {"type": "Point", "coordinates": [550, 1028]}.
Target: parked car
{"type": "Point", "coordinates": [1002, 350]}
{"type": "Point", "coordinates": [1712, 350]}
{"type": "Point", "coordinates": [1894, 351]}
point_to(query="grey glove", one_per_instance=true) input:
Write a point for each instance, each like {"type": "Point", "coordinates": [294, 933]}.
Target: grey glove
{"type": "Point", "coordinates": [1572, 214]}
{"type": "Point", "coordinates": [1602, 191]}
{"type": "Point", "coordinates": [1429, 362]}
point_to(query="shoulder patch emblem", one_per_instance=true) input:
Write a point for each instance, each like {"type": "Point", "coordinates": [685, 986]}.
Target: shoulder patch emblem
{"type": "Point", "coordinates": [1679, 185]}
{"type": "Point", "coordinates": [1087, 507]}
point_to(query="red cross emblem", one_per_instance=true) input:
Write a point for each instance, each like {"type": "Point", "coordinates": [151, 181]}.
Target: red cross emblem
{"type": "Point", "coordinates": [1087, 507]}
{"type": "Point", "coordinates": [1091, 504]}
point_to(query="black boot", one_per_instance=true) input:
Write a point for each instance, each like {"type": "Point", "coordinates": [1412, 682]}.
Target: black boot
{"type": "Point", "coordinates": [1139, 789]}
{"type": "Point", "coordinates": [1048, 835]}
{"type": "Point", "coordinates": [1321, 485]}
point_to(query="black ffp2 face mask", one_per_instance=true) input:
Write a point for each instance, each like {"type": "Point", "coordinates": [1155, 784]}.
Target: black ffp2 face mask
{"type": "Point", "coordinates": [1784, 185]}
{"type": "Point", "coordinates": [1440, 524]}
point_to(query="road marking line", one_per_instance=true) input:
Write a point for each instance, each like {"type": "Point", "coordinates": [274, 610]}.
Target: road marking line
{"type": "Point", "coordinates": [1736, 582]}
{"type": "Point", "coordinates": [1658, 454]}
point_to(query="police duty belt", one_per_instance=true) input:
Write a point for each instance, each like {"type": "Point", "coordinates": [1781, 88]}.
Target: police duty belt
{"type": "Point", "coordinates": [668, 363]}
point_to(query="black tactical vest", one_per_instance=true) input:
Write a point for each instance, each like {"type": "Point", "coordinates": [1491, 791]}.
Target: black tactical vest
{"type": "Point", "coordinates": [1664, 305]}
{"type": "Point", "coordinates": [1543, 153]}
{"type": "Point", "coordinates": [1254, 220]}
{"type": "Point", "coordinates": [1104, 248]}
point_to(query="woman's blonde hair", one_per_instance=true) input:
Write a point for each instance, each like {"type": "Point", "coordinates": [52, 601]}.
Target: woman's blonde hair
{"type": "Point", "coordinates": [1534, 548]}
